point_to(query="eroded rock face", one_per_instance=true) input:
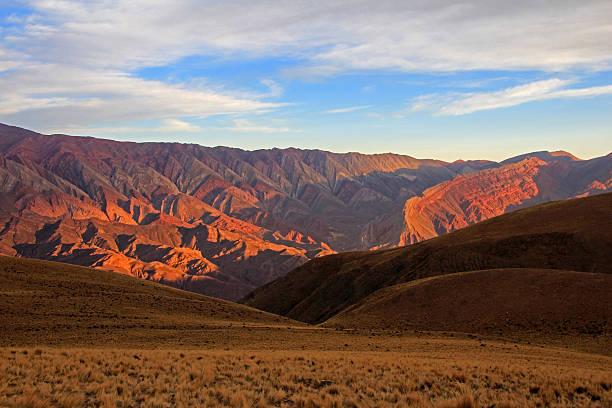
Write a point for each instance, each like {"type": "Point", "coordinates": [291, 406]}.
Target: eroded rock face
{"type": "Point", "coordinates": [222, 221]}
{"type": "Point", "coordinates": [201, 258]}
{"type": "Point", "coordinates": [218, 221]}
{"type": "Point", "coordinates": [478, 196]}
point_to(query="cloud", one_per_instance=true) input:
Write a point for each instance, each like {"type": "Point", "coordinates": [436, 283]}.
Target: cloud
{"type": "Point", "coordinates": [445, 36]}
{"type": "Point", "coordinates": [175, 125]}
{"type": "Point", "coordinates": [345, 110]}
{"type": "Point", "coordinates": [57, 95]}
{"type": "Point", "coordinates": [9, 60]}
{"type": "Point", "coordinates": [464, 103]}
{"type": "Point", "coordinates": [330, 37]}
{"type": "Point", "coordinates": [75, 63]}
{"type": "Point", "coordinates": [274, 88]}
{"type": "Point", "coordinates": [72, 65]}
{"type": "Point", "coordinates": [245, 125]}
{"type": "Point", "coordinates": [167, 126]}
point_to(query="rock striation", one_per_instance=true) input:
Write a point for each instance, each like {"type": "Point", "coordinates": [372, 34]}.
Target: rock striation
{"type": "Point", "coordinates": [222, 221]}
{"type": "Point", "coordinates": [217, 221]}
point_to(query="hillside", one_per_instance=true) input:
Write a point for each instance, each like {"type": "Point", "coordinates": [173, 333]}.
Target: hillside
{"type": "Point", "coordinates": [504, 302]}
{"type": "Point", "coordinates": [571, 235]}
{"type": "Point", "coordinates": [53, 303]}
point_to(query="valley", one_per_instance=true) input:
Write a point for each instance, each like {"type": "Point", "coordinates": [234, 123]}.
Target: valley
{"type": "Point", "coordinates": [467, 285]}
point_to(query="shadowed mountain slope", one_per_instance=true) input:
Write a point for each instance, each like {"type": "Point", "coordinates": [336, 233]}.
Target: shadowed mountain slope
{"type": "Point", "coordinates": [566, 235]}
{"type": "Point", "coordinates": [51, 301]}
{"type": "Point", "coordinates": [218, 221]}
{"type": "Point", "coordinates": [506, 302]}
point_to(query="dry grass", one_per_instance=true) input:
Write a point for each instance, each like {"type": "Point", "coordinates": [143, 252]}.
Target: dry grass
{"type": "Point", "coordinates": [73, 337]}
{"type": "Point", "coordinates": [58, 304]}
{"type": "Point", "coordinates": [40, 377]}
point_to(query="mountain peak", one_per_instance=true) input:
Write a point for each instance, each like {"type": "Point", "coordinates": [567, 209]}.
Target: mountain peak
{"type": "Point", "coordinates": [563, 153]}
{"type": "Point", "coordinates": [543, 155]}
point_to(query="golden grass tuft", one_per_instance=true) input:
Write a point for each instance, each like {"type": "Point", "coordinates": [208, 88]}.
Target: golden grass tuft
{"type": "Point", "coordinates": [162, 378]}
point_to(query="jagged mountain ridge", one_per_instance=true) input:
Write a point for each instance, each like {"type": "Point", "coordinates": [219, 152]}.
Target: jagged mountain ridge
{"type": "Point", "coordinates": [217, 220]}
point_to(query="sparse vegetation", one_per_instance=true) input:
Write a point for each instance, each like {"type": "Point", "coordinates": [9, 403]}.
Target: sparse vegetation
{"type": "Point", "coordinates": [162, 378]}
{"type": "Point", "coordinates": [74, 337]}
{"type": "Point", "coordinates": [544, 306]}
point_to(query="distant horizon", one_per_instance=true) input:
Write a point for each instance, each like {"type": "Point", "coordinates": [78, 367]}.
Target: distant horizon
{"type": "Point", "coordinates": [579, 157]}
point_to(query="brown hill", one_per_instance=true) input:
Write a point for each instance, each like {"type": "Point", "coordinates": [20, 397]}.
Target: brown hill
{"type": "Point", "coordinates": [566, 235]}
{"type": "Point", "coordinates": [505, 302]}
{"type": "Point", "coordinates": [77, 337]}
{"type": "Point", "coordinates": [55, 303]}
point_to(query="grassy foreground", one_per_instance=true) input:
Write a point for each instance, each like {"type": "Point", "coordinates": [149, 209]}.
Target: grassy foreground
{"type": "Point", "coordinates": [431, 372]}
{"type": "Point", "coordinates": [76, 337]}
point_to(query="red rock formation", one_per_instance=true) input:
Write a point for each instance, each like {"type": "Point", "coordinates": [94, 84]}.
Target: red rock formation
{"type": "Point", "coordinates": [222, 221]}
{"type": "Point", "coordinates": [219, 221]}
{"type": "Point", "coordinates": [466, 200]}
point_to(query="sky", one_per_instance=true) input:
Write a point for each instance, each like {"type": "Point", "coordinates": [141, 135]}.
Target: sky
{"type": "Point", "coordinates": [437, 79]}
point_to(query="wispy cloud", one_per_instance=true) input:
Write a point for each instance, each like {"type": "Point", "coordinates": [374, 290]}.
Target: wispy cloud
{"type": "Point", "coordinates": [53, 95]}
{"type": "Point", "coordinates": [9, 59]}
{"type": "Point", "coordinates": [345, 110]}
{"type": "Point", "coordinates": [167, 126]}
{"type": "Point", "coordinates": [170, 127]}
{"type": "Point", "coordinates": [274, 88]}
{"type": "Point", "coordinates": [331, 36]}
{"type": "Point", "coordinates": [245, 125]}
{"type": "Point", "coordinates": [75, 62]}
{"type": "Point", "coordinates": [464, 103]}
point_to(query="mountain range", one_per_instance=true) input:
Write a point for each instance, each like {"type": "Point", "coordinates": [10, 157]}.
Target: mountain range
{"type": "Point", "coordinates": [540, 274]}
{"type": "Point", "coordinates": [223, 221]}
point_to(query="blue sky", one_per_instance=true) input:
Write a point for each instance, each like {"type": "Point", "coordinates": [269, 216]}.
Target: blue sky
{"type": "Point", "coordinates": [441, 79]}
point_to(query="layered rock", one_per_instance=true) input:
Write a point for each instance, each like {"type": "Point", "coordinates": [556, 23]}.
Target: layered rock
{"type": "Point", "coordinates": [467, 199]}
{"type": "Point", "coordinates": [218, 221]}
{"type": "Point", "coordinates": [222, 221]}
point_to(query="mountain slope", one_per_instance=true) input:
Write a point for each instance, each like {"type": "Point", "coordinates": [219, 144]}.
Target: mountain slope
{"type": "Point", "coordinates": [507, 302]}
{"type": "Point", "coordinates": [223, 221]}
{"type": "Point", "coordinates": [56, 302]}
{"type": "Point", "coordinates": [218, 221]}
{"type": "Point", "coordinates": [566, 235]}
{"type": "Point", "coordinates": [467, 199]}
